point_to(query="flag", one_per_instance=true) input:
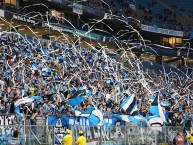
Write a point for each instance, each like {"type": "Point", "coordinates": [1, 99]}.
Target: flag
{"type": "Point", "coordinates": [18, 114]}
{"type": "Point", "coordinates": [94, 115]}
{"type": "Point", "coordinates": [154, 106]}
{"type": "Point", "coordinates": [137, 119]}
{"type": "Point", "coordinates": [156, 109]}
{"type": "Point", "coordinates": [46, 71]}
{"type": "Point", "coordinates": [134, 110]}
{"type": "Point", "coordinates": [128, 104]}
{"type": "Point", "coordinates": [155, 121]}
{"type": "Point", "coordinates": [35, 97]}
{"type": "Point", "coordinates": [122, 117]}
{"type": "Point", "coordinates": [75, 101]}
{"type": "Point", "coordinates": [23, 101]}
{"type": "Point", "coordinates": [78, 93]}
{"type": "Point", "coordinates": [77, 98]}
{"type": "Point", "coordinates": [165, 103]}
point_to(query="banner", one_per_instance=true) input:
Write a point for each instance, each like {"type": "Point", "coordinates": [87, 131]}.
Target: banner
{"type": "Point", "coordinates": [71, 30]}
{"type": "Point", "coordinates": [24, 19]}
{"type": "Point", "coordinates": [162, 31]}
{"type": "Point", "coordinates": [63, 122]}
{"type": "Point", "coordinates": [88, 35]}
{"type": "Point", "coordinates": [78, 9]}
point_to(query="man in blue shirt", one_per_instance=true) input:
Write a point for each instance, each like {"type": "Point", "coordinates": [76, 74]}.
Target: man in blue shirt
{"type": "Point", "coordinates": [14, 140]}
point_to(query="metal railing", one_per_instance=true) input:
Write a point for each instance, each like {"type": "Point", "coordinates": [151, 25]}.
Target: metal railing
{"type": "Point", "coordinates": [29, 134]}
{"type": "Point", "coordinates": [126, 135]}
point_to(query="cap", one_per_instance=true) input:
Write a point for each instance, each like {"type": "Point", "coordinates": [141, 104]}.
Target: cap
{"type": "Point", "coordinates": [80, 132]}
{"type": "Point", "coordinates": [68, 131]}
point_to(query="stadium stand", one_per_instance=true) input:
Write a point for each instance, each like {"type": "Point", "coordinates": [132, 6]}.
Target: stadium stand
{"type": "Point", "coordinates": [45, 82]}
{"type": "Point", "coordinates": [20, 82]}
{"type": "Point", "coordinates": [151, 12]}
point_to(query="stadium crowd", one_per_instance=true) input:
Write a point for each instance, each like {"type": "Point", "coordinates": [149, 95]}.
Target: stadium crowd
{"type": "Point", "coordinates": [57, 71]}
{"type": "Point", "coordinates": [166, 19]}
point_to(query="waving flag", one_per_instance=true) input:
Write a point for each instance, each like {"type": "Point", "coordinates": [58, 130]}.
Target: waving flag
{"type": "Point", "coordinates": [137, 119]}
{"type": "Point", "coordinates": [94, 115]}
{"type": "Point", "coordinates": [77, 98]}
{"type": "Point", "coordinates": [134, 110]}
{"type": "Point", "coordinates": [23, 101]}
{"type": "Point", "coordinates": [128, 104]}
{"type": "Point", "coordinates": [156, 112]}
{"type": "Point", "coordinates": [46, 71]}
{"type": "Point", "coordinates": [154, 106]}
{"type": "Point", "coordinates": [165, 103]}
{"type": "Point", "coordinates": [155, 121]}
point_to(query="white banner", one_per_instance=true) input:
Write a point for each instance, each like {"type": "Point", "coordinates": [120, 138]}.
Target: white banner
{"type": "Point", "coordinates": [162, 31]}
{"type": "Point", "coordinates": [78, 9]}
{"type": "Point", "coordinates": [24, 19]}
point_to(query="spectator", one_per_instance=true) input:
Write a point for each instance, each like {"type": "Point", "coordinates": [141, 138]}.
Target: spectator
{"type": "Point", "coordinates": [33, 120]}
{"type": "Point", "coordinates": [179, 139]}
{"type": "Point", "coordinates": [15, 139]}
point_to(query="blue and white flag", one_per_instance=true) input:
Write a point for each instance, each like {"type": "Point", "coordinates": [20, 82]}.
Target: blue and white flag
{"type": "Point", "coordinates": [128, 104]}
{"type": "Point", "coordinates": [122, 117]}
{"type": "Point", "coordinates": [137, 119]}
{"type": "Point", "coordinates": [135, 110]}
{"type": "Point", "coordinates": [75, 101]}
{"type": "Point", "coordinates": [46, 71]}
{"type": "Point", "coordinates": [23, 101]}
{"type": "Point", "coordinates": [165, 103]}
{"type": "Point", "coordinates": [155, 121]}
{"type": "Point", "coordinates": [94, 115]}
{"type": "Point", "coordinates": [77, 98]}
{"type": "Point", "coordinates": [156, 109]}
{"type": "Point", "coordinates": [154, 106]}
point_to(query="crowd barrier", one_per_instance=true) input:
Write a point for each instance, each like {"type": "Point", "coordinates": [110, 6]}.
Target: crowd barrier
{"type": "Point", "coordinates": [126, 135]}
{"type": "Point", "coordinates": [28, 134]}
{"type": "Point", "coordinates": [51, 130]}
{"type": "Point", "coordinates": [40, 134]}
